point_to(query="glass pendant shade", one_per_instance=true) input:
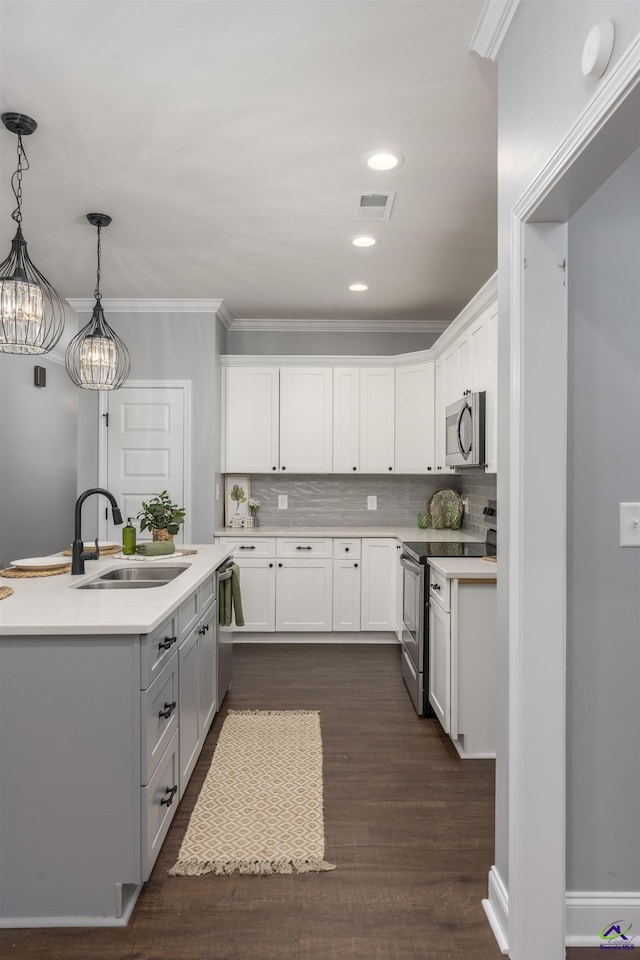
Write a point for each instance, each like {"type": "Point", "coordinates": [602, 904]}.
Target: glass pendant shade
{"type": "Point", "coordinates": [31, 312]}
{"type": "Point", "coordinates": [96, 358]}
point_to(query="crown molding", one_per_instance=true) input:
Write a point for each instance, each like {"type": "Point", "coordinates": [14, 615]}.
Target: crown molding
{"type": "Point", "coordinates": [298, 360]}
{"type": "Point", "coordinates": [266, 325]}
{"type": "Point", "coordinates": [86, 304]}
{"type": "Point", "coordinates": [492, 27]}
{"type": "Point", "coordinates": [486, 298]}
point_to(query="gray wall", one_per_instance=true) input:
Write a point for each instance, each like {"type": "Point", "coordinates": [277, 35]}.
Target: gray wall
{"type": "Point", "coordinates": [329, 344]}
{"type": "Point", "coordinates": [173, 347]}
{"type": "Point", "coordinates": [325, 501]}
{"type": "Point", "coordinates": [603, 586]}
{"type": "Point", "coordinates": [541, 91]}
{"type": "Point", "coordinates": [38, 434]}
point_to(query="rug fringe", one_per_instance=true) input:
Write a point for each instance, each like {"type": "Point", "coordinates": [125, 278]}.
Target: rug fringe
{"type": "Point", "coordinates": [258, 868]}
{"type": "Point", "coordinates": [278, 713]}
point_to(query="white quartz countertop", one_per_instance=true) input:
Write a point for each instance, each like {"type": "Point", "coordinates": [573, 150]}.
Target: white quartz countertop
{"type": "Point", "coordinates": [460, 568]}
{"type": "Point", "coordinates": [406, 534]}
{"type": "Point", "coordinates": [53, 606]}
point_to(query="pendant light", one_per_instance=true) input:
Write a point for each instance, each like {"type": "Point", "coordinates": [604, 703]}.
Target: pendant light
{"type": "Point", "coordinates": [31, 312]}
{"type": "Point", "coordinates": [96, 358]}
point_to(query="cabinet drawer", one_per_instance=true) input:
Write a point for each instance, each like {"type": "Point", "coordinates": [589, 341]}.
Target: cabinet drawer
{"type": "Point", "coordinates": [347, 548]}
{"type": "Point", "coordinates": [304, 547]}
{"type": "Point", "coordinates": [156, 648]}
{"type": "Point", "coordinates": [207, 593]}
{"type": "Point", "coordinates": [158, 717]}
{"type": "Point", "coordinates": [159, 803]}
{"type": "Point", "coordinates": [251, 547]}
{"type": "Point", "coordinates": [439, 589]}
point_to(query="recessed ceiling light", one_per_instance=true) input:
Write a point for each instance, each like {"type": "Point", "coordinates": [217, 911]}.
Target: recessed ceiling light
{"type": "Point", "coordinates": [383, 160]}
{"type": "Point", "coordinates": [358, 287]}
{"type": "Point", "coordinates": [364, 241]}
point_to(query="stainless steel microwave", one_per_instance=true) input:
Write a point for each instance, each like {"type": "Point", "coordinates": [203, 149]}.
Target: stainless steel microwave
{"type": "Point", "coordinates": [464, 431]}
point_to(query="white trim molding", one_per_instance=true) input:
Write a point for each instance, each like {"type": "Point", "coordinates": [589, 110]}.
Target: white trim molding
{"type": "Point", "coordinates": [116, 305]}
{"type": "Point", "coordinates": [296, 360]}
{"type": "Point", "coordinates": [485, 298]}
{"type": "Point", "coordinates": [588, 914]}
{"type": "Point", "coordinates": [496, 907]}
{"type": "Point", "coordinates": [492, 27]}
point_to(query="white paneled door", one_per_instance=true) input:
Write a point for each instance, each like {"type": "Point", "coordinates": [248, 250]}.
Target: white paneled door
{"type": "Point", "coordinates": [145, 451]}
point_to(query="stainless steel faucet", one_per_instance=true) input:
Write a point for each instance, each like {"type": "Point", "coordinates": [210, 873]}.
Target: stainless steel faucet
{"type": "Point", "coordinates": [78, 553]}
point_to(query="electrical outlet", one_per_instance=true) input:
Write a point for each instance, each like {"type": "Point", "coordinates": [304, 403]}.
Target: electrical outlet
{"type": "Point", "coordinates": [283, 501]}
{"type": "Point", "coordinates": [630, 524]}
{"type": "Point", "coordinates": [372, 503]}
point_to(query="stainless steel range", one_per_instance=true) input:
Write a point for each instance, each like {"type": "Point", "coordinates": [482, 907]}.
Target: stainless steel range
{"type": "Point", "coordinates": [415, 604]}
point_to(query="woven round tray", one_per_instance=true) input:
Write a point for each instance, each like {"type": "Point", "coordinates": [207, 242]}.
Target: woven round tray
{"type": "Point", "coordinates": [5, 592]}
{"type": "Point", "coordinates": [12, 572]}
{"type": "Point", "coordinates": [104, 552]}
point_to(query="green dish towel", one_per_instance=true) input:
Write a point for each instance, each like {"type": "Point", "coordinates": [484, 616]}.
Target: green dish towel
{"type": "Point", "coordinates": [230, 600]}
{"type": "Point", "coordinates": [156, 548]}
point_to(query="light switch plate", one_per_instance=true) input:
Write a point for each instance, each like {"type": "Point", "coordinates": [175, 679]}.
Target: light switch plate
{"type": "Point", "coordinates": [283, 501]}
{"type": "Point", "coordinates": [372, 503]}
{"type": "Point", "coordinates": [630, 524]}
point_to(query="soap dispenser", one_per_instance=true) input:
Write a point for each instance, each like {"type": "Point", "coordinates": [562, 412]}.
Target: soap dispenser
{"type": "Point", "coordinates": [128, 539]}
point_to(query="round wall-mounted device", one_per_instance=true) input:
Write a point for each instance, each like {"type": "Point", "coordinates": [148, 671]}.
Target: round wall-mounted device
{"type": "Point", "coordinates": [597, 49]}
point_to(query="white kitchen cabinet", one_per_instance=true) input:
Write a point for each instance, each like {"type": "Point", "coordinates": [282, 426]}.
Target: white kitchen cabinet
{"type": "Point", "coordinates": [346, 594]}
{"type": "Point", "coordinates": [440, 664]}
{"type": "Point", "coordinates": [379, 572]}
{"type": "Point", "coordinates": [304, 594]}
{"type": "Point", "coordinates": [258, 592]}
{"type": "Point", "coordinates": [207, 681]}
{"type": "Point", "coordinates": [462, 661]}
{"type": "Point", "coordinates": [251, 419]}
{"type": "Point", "coordinates": [377, 419]}
{"type": "Point", "coordinates": [415, 418]}
{"type": "Point", "coordinates": [189, 710]}
{"type": "Point", "coordinates": [442, 386]}
{"type": "Point", "coordinates": [306, 422]}
{"type": "Point", "coordinates": [346, 420]}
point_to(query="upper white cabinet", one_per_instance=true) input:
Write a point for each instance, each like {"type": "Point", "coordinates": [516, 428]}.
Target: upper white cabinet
{"type": "Point", "coordinates": [306, 429]}
{"type": "Point", "coordinates": [278, 419]}
{"type": "Point", "coordinates": [251, 419]}
{"type": "Point", "coordinates": [442, 395]}
{"type": "Point", "coordinates": [346, 420]}
{"type": "Point", "coordinates": [414, 418]}
{"type": "Point", "coordinates": [377, 421]}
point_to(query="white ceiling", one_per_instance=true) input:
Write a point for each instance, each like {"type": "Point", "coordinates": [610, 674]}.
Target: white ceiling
{"type": "Point", "coordinates": [226, 141]}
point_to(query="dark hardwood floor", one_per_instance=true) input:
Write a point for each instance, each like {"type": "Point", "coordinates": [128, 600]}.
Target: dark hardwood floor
{"type": "Point", "coordinates": [409, 825]}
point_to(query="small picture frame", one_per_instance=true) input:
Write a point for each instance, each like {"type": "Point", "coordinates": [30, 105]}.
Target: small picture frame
{"type": "Point", "coordinates": [236, 511]}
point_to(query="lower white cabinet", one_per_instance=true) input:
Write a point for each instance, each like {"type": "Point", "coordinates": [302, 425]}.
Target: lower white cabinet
{"type": "Point", "coordinates": [197, 686]}
{"type": "Point", "coordinates": [258, 591]}
{"type": "Point", "coordinates": [304, 594]}
{"type": "Point", "coordinates": [462, 662]}
{"type": "Point", "coordinates": [346, 595]}
{"type": "Point", "coordinates": [379, 572]}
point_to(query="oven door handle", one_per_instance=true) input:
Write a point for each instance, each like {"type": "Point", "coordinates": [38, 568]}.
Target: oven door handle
{"type": "Point", "coordinates": [411, 565]}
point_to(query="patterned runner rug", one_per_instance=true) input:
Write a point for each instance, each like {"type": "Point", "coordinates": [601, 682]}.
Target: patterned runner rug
{"type": "Point", "coordinates": [260, 807]}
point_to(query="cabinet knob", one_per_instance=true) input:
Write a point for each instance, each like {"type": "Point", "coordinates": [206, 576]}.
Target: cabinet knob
{"type": "Point", "coordinates": [279, 564]}
{"type": "Point", "coordinates": [170, 794]}
{"type": "Point", "coordinates": [390, 468]}
{"type": "Point", "coordinates": [355, 468]}
{"type": "Point", "coordinates": [168, 710]}
{"type": "Point", "coordinates": [270, 564]}
{"type": "Point", "coordinates": [283, 468]}
{"type": "Point", "coordinates": [166, 643]}
{"type": "Point", "coordinates": [355, 564]}
{"type": "Point", "coordinates": [274, 468]}
{"type": "Point", "coordinates": [346, 549]}
{"type": "Point", "coordinates": [428, 468]}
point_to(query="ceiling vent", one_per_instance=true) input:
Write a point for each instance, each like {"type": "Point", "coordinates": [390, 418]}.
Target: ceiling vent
{"type": "Point", "coordinates": [373, 206]}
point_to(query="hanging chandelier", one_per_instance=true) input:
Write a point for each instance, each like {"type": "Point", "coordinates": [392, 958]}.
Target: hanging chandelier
{"type": "Point", "coordinates": [31, 312]}
{"type": "Point", "coordinates": [96, 358]}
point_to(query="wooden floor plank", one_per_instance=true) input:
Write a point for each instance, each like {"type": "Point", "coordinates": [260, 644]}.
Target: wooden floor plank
{"type": "Point", "coordinates": [409, 825]}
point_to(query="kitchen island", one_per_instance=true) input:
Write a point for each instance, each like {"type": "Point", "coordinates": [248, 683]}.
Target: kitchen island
{"type": "Point", "coordinates": [106, 697]}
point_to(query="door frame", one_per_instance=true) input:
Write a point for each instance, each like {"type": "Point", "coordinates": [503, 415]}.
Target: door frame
{"type": "Point", "coordinates": [529, 914]}
{"type": "Point", "coordinates": [103, 408]}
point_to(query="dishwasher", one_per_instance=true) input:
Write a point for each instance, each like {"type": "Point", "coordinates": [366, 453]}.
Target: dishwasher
{"type": "Point", "coordinates": [224, 639]}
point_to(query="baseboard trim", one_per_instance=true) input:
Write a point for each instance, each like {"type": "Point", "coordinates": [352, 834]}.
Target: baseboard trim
{"type": "Point", "coordinates": [293, 637]}
{"type": "Point", "coordinates": [590, 913]}
{"type": "Point", "coordinates": [496, 907]}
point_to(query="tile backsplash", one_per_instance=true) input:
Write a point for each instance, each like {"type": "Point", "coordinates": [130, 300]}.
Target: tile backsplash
{"type": "Point", "coordinates": [340, 500]}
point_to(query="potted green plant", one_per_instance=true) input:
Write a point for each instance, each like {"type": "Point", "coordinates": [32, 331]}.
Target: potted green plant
{"type": "Point", "coordinates": [161, 516]}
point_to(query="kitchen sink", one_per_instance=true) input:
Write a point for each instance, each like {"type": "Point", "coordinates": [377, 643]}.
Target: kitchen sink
{"type": "Point", "coordinates": [134, 578]}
